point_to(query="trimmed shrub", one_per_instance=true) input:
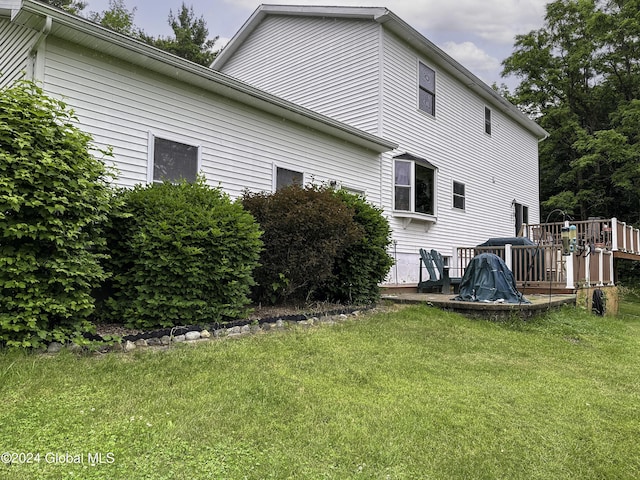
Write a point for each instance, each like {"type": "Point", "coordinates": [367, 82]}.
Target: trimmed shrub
{"type": "Point", "coordinates": [54, 196]}
{"type": "Point", "coordinates": [181, 254]}
{"type": "Point", "coordinates": [365, 263]}
{"type": "Point", "coordinates": [305, 230]}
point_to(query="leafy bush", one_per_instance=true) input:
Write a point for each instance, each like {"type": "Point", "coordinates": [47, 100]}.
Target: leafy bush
{"type": "Point", "coordinates": [180, 254]}
{"type": "Point", "coordinates": [365, 263]}
{"type": "Point", "coordinates": [305, 230]}
{"type": "Point", "coordinates": [54, 197]}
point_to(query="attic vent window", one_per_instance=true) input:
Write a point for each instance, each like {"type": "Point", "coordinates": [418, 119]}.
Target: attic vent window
{"type": "Point", "coordinates": [427, 89]}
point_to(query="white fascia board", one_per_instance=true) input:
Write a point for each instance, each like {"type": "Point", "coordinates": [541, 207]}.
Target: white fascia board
{"type": "Point", "coordinates": [84, 32]}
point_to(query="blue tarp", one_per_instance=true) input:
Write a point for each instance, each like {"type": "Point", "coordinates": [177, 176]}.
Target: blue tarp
{"type": "Point", "coordinates": [487, 279]}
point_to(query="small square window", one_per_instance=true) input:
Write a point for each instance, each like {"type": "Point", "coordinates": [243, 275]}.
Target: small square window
{"type": "Point", "coordinates": [487, 120]}
{"type": "Point", "coordinates": [174, 161]}
{"type": "Point", "coordinates": [286, 177]}
{"type": "Point", "coordinates": [458, 195]}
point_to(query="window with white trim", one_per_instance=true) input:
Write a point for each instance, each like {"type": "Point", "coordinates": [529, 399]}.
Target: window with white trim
{"type": "Point", "coordinates": [458, 195]}
{"type": "Point", "coordinates": [426, 89]}
{"type": "Point", "coordinates": [173, 161]}
{"type": "Point", "coordinates": [286, 177]}
{"type": "Point", "coordinates": [414, 185]}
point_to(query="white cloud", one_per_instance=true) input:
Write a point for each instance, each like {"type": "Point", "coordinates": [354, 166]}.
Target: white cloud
{"type": "Point", "coordinates": [474, 58]}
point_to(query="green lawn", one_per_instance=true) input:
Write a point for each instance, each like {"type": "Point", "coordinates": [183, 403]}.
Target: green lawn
{"type": "Point", "coordinates": [417, 393]}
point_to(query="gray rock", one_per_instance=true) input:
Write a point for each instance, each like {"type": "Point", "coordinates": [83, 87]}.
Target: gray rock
{"type": "Point", "coordinates": [54, 347]}
{"type": "Point", "coordinates": [179, 338]}
{"type": "Point", "coordinates": [205, 334]}
{"type": "Point", "coordinates": [245, 329]}
{"type": "Point", "coordinates": [141, 343]}
{"type": "Point", "coordinates": [304, 323]}
{"type": "Point", "coordinates": [190, 336]}
{"type": "Point", "coordinates": [355, 313]}
{"type": "Point", "coordinates": [279, 323]}
{"type": "Point", "coordinates": [267, 326]}
{"type": "Point", "coordinates": [154, 341]}
{"type": "Point", "coordinates": [74, 347]}
{"type": "Point", "coordinates": [221, 332]}
{"type": "Point", "coordinates": [165, 340]}
{"type": "Point", "coordinates": [255, 329]}
{"type": "Point", "coordinates": [129, 345]}
{"type": "Point", "coordinates": [233, 330]}
{"type": "Point", "coordinates": [342, 316]}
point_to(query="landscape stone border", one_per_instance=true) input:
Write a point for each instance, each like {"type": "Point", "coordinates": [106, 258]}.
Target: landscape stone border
{"type": "Point", "coordinates": [194, 333]}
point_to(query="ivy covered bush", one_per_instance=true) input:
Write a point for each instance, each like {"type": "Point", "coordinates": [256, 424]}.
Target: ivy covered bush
{"type": "Point", "coordinates": [181, 254]}
{"type": "Point", "coordinates": [54, 198]}
{"type": "Point", "coordinates": [319, 245]}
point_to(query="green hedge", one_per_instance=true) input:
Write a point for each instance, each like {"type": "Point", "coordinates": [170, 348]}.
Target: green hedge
{"type": "Point", "coordinates": [319, 245]}
{"type": "Point", "coordinates": [365, 263]}
{"type": "Point", "coordinates": [180, 255]}
{"type": "Point", "coordinates": [54, 196]}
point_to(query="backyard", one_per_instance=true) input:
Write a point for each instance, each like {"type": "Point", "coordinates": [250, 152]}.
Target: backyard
{"type": "Point", "coordinates": [403, 393]}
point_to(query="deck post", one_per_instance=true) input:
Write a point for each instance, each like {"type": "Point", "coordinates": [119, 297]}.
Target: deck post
{"type": "Point", "coordinates": [611, 271]}
{"type": "Point", "coordinates": [614, 234]}
{"type": "Point", "coordinates": [600, 266]}
{"type": "Point", "coordinates": [508, 257]}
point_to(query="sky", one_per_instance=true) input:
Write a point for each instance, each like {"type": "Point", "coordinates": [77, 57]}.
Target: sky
{"type": "Point", "coordinates": [477, 33]}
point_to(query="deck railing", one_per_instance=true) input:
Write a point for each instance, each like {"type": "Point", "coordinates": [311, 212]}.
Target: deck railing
{"type": "Point", "coordinates": [608, 234]}
{"type": "Point", "coordinates": [545, 266]}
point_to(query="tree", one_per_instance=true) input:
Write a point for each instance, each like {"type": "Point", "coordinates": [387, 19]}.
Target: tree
{"type": "Point", "coordinates": [71, 6]}
{"type": "Point", "coordinates": [580, 78]}
{"type": "Point", "coordinates": [190, 39]}
{"type": "Point", "coordinates": [118, 18]}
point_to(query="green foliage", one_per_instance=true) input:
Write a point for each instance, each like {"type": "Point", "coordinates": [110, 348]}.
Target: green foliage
{"type": "Point", "coordinates": [71, 6]}
{"type": "Point", "coordinates": [190, 39]}
{"type": "Point", "coordinates": [118, 18]}
{"type": "Point", "coordinates": [305, 231]}
{"type": "Point", "coordinates": [365, 263]}
{"type": "Point", "coordinates": [181, 254]}
{"type": "Point", "coordinates": [54, 196]}
{"type": "Point", "coordinates": [580, 77]}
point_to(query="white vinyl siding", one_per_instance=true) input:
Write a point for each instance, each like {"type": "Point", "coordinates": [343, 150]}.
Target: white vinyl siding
{"type": "Point", "coordinates": [120, 103]}
{"type": "Point", "coordinates": [325, 64]}
{"type": "Point", "coordinates": [15, 45]}
{"type": "Point", "coordinates": [497, 168]}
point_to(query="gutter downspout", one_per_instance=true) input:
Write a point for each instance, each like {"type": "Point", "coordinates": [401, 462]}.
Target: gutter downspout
{"type": "Point", "coordinates": [37, 70]}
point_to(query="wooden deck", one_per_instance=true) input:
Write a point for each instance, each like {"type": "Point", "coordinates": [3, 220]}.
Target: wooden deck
{"type": "Point", "coordinates": [547, 267]}
{"type": "Point", "coordinates": [494, 311]}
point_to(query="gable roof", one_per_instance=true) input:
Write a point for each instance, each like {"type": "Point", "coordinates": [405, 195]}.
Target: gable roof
{"type": "Point", "coordinates": [399, 27]}
{"type": "Point", "coordinates": [61, 24]}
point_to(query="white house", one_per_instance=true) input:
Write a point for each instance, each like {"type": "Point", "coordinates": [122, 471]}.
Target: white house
{"type": "Point", "coordinates": [466, 166]}
{"type": "Point", "coordinates": [166, 117]}
{"type": "Point", "coordinates": [348, 96]}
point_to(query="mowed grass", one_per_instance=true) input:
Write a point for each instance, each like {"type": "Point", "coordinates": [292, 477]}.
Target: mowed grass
{"type": "Point", "coordinates": [408, 394]}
